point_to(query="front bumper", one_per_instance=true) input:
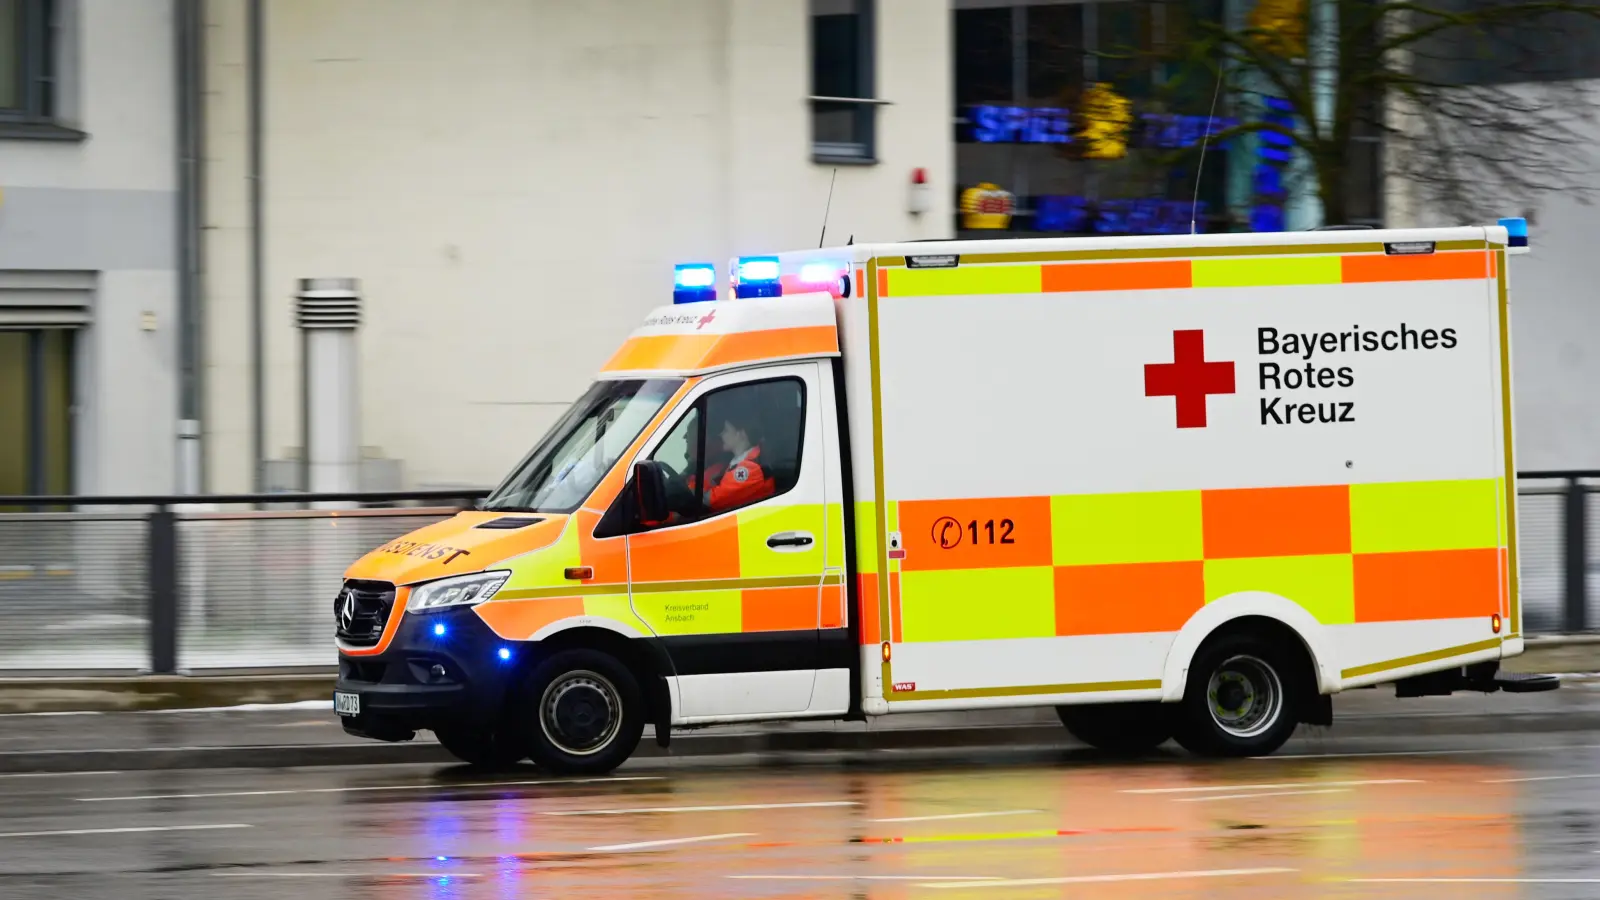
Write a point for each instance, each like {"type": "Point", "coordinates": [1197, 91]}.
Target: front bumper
{"type": "Point", "coordinates": [425, 680]}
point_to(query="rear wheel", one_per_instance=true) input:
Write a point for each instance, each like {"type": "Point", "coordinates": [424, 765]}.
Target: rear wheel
{"type": "Point", "coordinates": [581, 713]}
{"type": "Point", "coordinates": [1243, 697]}
{"type": "Point", "coordinates": [481, 748]}
{"type": "Point", "coordinates": [1125, 729]}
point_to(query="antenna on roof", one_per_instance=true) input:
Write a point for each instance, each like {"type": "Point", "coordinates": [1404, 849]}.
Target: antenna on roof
{"type": "Point", "coordinates": [851, 242]}
{"type": "Point", "coordinates": [827, 209]}
{"type": "Point", "coordinates": [1205, 142]}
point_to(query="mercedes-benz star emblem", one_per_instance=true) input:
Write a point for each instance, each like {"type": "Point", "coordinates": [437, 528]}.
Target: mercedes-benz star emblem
{"type": "Point", "coordinates": [347, 611]}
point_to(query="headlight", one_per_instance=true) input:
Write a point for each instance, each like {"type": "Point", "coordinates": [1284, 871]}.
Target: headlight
{"type": "Point", "coordinates": [462, 590]}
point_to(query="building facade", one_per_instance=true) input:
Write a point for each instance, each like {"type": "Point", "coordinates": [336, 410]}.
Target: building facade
{"type": "Point", "coordinates": [512, 183]}
{"type": "Point", "coordinates": [1555, 301]}
{"type": "Point", "coordinates": [88, 247]}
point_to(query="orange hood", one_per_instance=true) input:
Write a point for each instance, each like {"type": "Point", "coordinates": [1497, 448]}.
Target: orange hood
{"type": "Point", "coordinates": [456, 546]}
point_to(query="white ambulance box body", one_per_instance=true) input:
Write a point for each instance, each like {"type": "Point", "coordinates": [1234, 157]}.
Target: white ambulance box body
{"type": "Point", "coordinates": [1074, 460]}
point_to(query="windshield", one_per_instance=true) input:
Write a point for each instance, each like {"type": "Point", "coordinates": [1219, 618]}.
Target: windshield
{"type": "Point", "coordinates": [564, 467]}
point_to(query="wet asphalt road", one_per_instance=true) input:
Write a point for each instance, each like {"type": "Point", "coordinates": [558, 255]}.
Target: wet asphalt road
{"type": "Point", "coordinates": [1495, 816]}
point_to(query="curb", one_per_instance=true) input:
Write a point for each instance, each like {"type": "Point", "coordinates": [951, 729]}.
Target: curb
{"type": "Point", "coordinates": [991, 737]}
{"type": "Point", "coordinates": [1555, 655]}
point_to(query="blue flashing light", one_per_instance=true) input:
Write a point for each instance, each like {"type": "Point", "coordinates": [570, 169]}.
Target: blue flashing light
{"type": "Point", "coordinates": [758, 277]}
{"type": "Point", "coordinates": [694, 282]}
{"type": "Point", "coordinates": [1516, 231]}
{"type": "Point", "coordinates": [439, 629]}
{"type": "Point", "coordinates": [505, 653]}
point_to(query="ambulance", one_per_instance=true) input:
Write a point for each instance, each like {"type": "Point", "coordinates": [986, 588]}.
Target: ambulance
{"type": "Point", "coordinates": [1179, 487]}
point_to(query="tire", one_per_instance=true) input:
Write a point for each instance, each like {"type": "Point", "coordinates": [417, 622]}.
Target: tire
{"type": "Point", "coordinates": [1124, 729]}
{"type": "Point", "coordinates": [580, 712]}
{"type": "Point", "coordinates": [481, 748]}
{"type": "Point", "coordinates": [1243, 697]}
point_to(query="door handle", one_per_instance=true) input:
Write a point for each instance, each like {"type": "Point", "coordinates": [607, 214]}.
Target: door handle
{"type": "Point", "coordinates": [795, 539]}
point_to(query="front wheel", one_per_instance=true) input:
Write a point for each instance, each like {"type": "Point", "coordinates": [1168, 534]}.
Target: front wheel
{"type": "Point", "coordinates": [581, 713]}
{"type": "Point", "coordinates": [1125, 729]}
{"type": "Point", "coordinates": [1242, 698]}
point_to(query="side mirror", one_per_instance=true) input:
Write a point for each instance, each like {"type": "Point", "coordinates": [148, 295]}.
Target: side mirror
{"type": "Point", "coordinates": [650, 492]}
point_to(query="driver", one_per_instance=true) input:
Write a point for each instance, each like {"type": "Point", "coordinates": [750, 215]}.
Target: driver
{"type": "Point", "coordinates": [741, 480]}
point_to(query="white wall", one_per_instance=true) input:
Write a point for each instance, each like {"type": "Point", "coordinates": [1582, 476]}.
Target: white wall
{"type": "Point", "coordinates": [512, 181]}
{"type": "Point", "coordinates": [1555, 321]}
{"type": "Point", "coordinates": [107, 204]}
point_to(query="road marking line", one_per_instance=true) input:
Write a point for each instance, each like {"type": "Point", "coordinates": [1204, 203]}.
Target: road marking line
{"type": "Point", "coordinates": [55, 774]}
{"type": "Point", "coordinates": [642, 845]}
{"type": "Point", "coordinates": [970, 815]}
{"type": "Point", "coordinates": [352, 790]}
{"type": "Point", "coordinates": [1536, 778]}
{"type": "Point", "coordinates": [1258, 794]}
{"type": "Point", "coordinates": [1269, 787]}
{"type": "Point", "coordinates": [1476, 751]}
{"type": "Point", "coordinates": [149, 828]}
{"type": "Point", "coordinates": [1098, 879]}
{"type": "Point", "coordinates": [678, 809]}
{"type": "Point", "coordinates": [861, 877]}
{"type": "Point", "coordinates": [429, 875]}
{"type": "Point", "coordinates": [1473, 880]}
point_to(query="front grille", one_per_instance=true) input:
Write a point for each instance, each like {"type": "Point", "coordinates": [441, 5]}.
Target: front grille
{"type": "Point", "coordinates": [363, 670]}
{"type": "Point", "coordinates": [361, 610]}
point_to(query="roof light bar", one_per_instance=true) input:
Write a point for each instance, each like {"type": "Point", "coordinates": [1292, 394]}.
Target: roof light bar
{"type": "Point", "coordinates": [694, 282]}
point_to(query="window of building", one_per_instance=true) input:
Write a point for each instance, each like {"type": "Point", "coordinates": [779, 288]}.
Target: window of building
{"type": "Point", "coordinates": [1535, 46]}
{"type": "Point", "coordinates": [27, 60]}
{"type": "Point", "coordinates": [1064, 123]}
{"type": "Point", "coordinates": [35, 411]}
{"type": "Point", "coordinates": [843, 107]}
{"type": "Point", "coordinates": [736, 446]}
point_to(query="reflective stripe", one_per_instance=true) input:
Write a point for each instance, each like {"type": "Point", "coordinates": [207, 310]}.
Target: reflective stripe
{"type": "Point", "coordinates": [1324, 585]}
{"type": "Point", "coordinates": [1424, 515]}
{"type": "Point", "coordinates": [1145, 562]}
{"type": "Point", "coordinates": [1297, 521]}
{"type": "Point", "coordinates": [1016, 603]}
{"type": "Point", "coordinates": [1428, 267]}
{"type": "Point", "coordinates": [1128, 599]}
{"type": "Point", "coordinates": [690, 352]}
{"type": "Point", "coordinates": [691, 612]}
{"type": "Point", "coordinates": [1443, 584]}
{"type": "Point", "coordinates": [1099, 529]}
{"type": "Point", "coordinates": [966, 280]}
{"type": "Point", "coordinates": [1267, 272]}
{"type": "Point", "coordinates": [1143, 270]}
{"type": "Point", "coordinates": [1117, 276]}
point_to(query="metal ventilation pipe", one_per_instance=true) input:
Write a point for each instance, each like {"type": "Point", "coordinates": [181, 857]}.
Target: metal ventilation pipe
{"type": "Point", "coordinates": [328, 312]}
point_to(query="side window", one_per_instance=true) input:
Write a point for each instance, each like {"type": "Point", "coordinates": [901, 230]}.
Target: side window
{"type": "Point", "coordinates": [682, 446]}
{"type": "Point", "coordinates": [736, 446]}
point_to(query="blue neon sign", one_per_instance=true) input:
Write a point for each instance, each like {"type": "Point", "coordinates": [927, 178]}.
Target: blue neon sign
{"type": "Point", "coordinates": [994, 124]}
{"type": "Point", "coordinates": [1140, 215]}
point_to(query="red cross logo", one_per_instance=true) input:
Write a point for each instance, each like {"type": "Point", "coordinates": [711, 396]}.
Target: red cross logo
{"type": "Point", "coordinates": [710, 314]}
{"type": "Point", "coordinates": [1189, 378]}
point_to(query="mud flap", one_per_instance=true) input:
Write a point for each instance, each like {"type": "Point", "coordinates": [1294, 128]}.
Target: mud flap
{"type": "Point", "coordinates": [1318, 711]}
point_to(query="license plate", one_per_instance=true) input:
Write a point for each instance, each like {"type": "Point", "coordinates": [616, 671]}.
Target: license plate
{"type": "Point", "coordinates": [346, 704]}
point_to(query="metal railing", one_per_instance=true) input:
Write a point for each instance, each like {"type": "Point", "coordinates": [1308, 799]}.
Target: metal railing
{"type": "Point", "coordinates": [101, 585]}
{"type": "Point", "coordinates": [188, 584]}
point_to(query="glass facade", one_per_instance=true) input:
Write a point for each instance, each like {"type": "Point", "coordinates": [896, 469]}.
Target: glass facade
{"type": "Point", "coordinates": [1067, 122]}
